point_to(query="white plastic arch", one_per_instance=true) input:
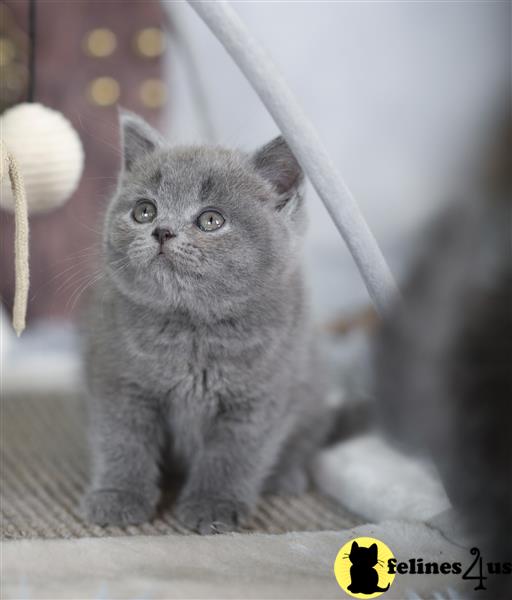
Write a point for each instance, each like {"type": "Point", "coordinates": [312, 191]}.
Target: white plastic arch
{"type": "Point", "coordinates": [303, 139]}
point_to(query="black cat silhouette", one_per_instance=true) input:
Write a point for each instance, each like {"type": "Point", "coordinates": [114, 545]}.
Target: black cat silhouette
{"type": "Point", "coordinates": [364, 578]}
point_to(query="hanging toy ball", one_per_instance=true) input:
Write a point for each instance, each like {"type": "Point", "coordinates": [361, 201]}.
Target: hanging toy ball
{"type": "Point", "coordinates": [49, 155]}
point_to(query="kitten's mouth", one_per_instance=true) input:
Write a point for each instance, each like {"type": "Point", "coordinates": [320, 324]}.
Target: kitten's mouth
{"type": "Point", "coordinates": [163, 259]}
{"type": "Point", "coordinates": [162, 253]}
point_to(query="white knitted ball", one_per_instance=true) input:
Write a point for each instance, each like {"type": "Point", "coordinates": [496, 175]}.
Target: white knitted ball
{"type": "Point", "coordinates": [49, 155]}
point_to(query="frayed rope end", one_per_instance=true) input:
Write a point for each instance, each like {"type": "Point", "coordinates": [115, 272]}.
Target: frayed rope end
{"type": "Point", "coordinates": [21, 263]}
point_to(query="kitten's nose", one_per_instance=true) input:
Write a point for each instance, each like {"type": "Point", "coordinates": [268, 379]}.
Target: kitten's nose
{"type": "Point", "coordinates": [162, 235]}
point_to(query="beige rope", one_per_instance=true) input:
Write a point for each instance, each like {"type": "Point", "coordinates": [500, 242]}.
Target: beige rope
{"type": "Point", "coordinates": [21, 267]}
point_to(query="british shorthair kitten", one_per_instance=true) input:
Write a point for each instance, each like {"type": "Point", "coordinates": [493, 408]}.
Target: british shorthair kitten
{"type": "Point", "coordinates": [199, 348]}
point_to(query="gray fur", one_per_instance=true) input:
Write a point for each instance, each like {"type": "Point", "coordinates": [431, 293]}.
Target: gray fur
{"type": "Point", "coordinates": [200, 360]}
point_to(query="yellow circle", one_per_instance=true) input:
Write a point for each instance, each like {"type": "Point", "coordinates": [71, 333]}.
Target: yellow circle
{"type": "Point", "coordinates": [361, 568]}
{"type": "Point", "coordinates": [150, 42]}
{"type": "Point", "coordinates": [153, 93]}
{"type": "Point", "coordinates": [100, 42]}
{"type": "Point", "coordinates": [104, 91]}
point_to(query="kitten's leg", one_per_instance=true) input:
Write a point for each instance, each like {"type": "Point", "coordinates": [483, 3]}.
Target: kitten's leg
{"type": "Point", "coordinates": [126, 439]}
{"type": "Point", "coordinates": [290, 476]}
{"type": "Point", "coordinates": [292, 481]}
{"type": "Point", "coordinates": [225, 480]}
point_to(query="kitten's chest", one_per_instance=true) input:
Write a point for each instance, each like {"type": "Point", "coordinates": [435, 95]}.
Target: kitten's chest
{"type": "Point", "coordinates": [191, 383]}
{"type": "Point", "coordinates": [178, 361]}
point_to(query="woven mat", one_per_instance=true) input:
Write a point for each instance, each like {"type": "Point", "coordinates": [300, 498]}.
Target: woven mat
{"type": "Point", "coordinates": [44, 471]}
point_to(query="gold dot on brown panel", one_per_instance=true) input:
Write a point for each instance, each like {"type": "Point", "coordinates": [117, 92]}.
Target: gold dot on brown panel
{"type": "Point", "coordinates": [153, 93]}
{"type": "Point", "coordinates": [99, 42]}
{"type": "Point", "coordinates": [150, 42]}
{"type": "Point", "coordinates": [104, 91]}
{"type": "Point", "coordinates": [14, 78]}
{"type": "Point", "coordinates": [7, 51]}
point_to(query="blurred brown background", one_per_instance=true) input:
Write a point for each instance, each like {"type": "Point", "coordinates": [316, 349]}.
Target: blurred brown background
{"type": "Point", "coordinates": [90, 56]}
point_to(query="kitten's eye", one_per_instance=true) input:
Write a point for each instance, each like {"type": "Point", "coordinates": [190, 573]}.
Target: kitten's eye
{"type": "Point", "coordinates": [210, 220]}
{"type": "Point", "coordinates": [144, 211]}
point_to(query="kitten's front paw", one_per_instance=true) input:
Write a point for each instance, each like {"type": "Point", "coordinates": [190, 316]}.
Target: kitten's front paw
{"type": "Point", "coordinates": [208, 516]}
{"type": "Point", "coordinates": [116, 507]}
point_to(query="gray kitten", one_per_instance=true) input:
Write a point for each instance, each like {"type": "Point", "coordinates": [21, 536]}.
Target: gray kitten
{"type": "Point", "coordinates": [199, 348]}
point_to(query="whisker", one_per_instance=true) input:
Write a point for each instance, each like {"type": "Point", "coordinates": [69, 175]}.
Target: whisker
{"type": "Point", "coordinates": [77, 266]}
{"type": "Point", "coordinates": [82, 224]}
{"type": "Point", "coordinates": [117, 268]}
{"type": "Point", "coordinates": [52, 279]}
{"type": "Point", "coordinates": [76, 294]}
{"type": "Point", "coordinates": [92, 250]}
{"type": "Point", "coordinates": [85, 256]}
{"type": "Point", "coordinates": [72, 286]}
{"type": "Point", "coordinates": [77, 274]}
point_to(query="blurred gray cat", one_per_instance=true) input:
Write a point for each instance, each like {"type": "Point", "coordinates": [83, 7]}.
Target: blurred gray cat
{"type": "Point", "coordinates": [199, 348]}
{"type": "Point", "coordinates": [443, 357]}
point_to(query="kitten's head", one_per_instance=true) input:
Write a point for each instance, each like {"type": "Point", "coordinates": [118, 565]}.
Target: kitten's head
{"type": "Point", "coordinates": [201, 228]}
{"type": "Point", "coordinates": [362, 556]}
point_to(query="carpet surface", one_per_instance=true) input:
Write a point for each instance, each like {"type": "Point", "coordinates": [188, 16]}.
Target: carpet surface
{"type": "Point", "coordinates": [44, 471]}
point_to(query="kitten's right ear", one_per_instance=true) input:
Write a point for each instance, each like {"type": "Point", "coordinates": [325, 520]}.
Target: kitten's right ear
{"type": "Point", "coordinates": [355, 546]}
{"type": "Point", "coordinates": [138, 138]}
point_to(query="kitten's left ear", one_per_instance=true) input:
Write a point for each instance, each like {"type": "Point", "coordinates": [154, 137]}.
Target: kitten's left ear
{"type": "Point", "coordinates": [276, 163]}
{"type": "Point", "coordinates": [138, 138]}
